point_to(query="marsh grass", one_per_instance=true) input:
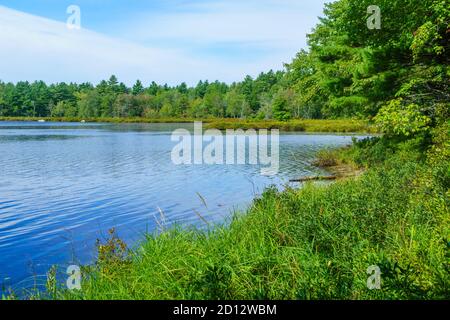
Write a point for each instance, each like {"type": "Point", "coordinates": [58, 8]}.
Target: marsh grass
{"type": "Point", "coordinates": [343, 126]}
{"type": "Point", "coordinates": [324, 126]}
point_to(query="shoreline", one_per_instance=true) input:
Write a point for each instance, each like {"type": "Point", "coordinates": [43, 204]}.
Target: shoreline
{"type": "Point", "coordinates": [298, 125]}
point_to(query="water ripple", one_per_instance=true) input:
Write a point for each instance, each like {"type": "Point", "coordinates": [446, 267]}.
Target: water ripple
{"type": "Point", "coordinates": [63, 186]}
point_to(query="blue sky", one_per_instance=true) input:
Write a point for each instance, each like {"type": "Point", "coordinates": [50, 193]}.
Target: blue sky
{"type": "Point", "coordinates": [168, 41]}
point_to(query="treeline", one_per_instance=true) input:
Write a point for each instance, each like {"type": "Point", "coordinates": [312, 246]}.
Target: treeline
{"type": "Point", "coordinates": [349, 71]}
{"type": "Point", "coordinates": [249, 98]}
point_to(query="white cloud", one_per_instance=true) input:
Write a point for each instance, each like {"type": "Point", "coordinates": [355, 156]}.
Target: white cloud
{"type": "Point", "coordinates": [35, 48]}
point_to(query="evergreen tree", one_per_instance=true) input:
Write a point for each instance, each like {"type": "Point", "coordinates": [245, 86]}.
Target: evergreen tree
{"type": "Point", "coordinates": [138, 88]}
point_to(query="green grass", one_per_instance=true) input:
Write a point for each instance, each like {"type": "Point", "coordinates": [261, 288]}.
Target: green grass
{"type": "Point", "coordinates": [343, 126]}
{"type": "Point", "coordinates": [316, 242]}
{"type": "Point", "coordinates": [346, 125]}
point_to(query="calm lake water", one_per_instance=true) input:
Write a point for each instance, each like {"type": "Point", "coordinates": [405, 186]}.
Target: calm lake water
{"type": "Point", "coordinates": [63, 185]}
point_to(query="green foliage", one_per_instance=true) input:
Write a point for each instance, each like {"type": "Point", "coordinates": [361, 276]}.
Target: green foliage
{"type": "Point", "coordinates": [425, 41]}
{"type": "Point", "coordinates": [112, 254]}
{"type": "Point", "coordinates": [63, 109]}
{"type": "Point", "coordinates": [347, 106]}
{"type": "Point", "coordinates": [114, 99]}
{"type": "Point", "coordinates": [280, 109]}
{"type": "Point", "coordinates": [236, 105]}
{"type": "Point", "coordinates": [431, 38]}
{"type": "Point", "coordinates": [138, 88]}
{"type": "Point", "coordinates": [397, 119]}
{"type": "Point", "coordinates": [351, 70]}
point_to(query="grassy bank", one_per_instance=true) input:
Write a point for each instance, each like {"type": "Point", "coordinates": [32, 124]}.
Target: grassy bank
{"type": "Point", "coordinates": [103, 120]}
{"type": "Point", "coordinates": [344, 126]}
{"type": "Point", "coordinates": [311, 243]}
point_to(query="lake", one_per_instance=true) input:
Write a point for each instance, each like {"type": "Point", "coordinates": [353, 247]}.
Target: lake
{"type": "Point", "coordinates": [64, 185]}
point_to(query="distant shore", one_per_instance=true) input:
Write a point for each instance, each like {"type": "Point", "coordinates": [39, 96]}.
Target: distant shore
{"type": "Point", "coordinates": [297, 125]}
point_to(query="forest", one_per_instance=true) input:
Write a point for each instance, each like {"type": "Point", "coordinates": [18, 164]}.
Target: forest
{"type": "Point", "coordinates": [348, 71]}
